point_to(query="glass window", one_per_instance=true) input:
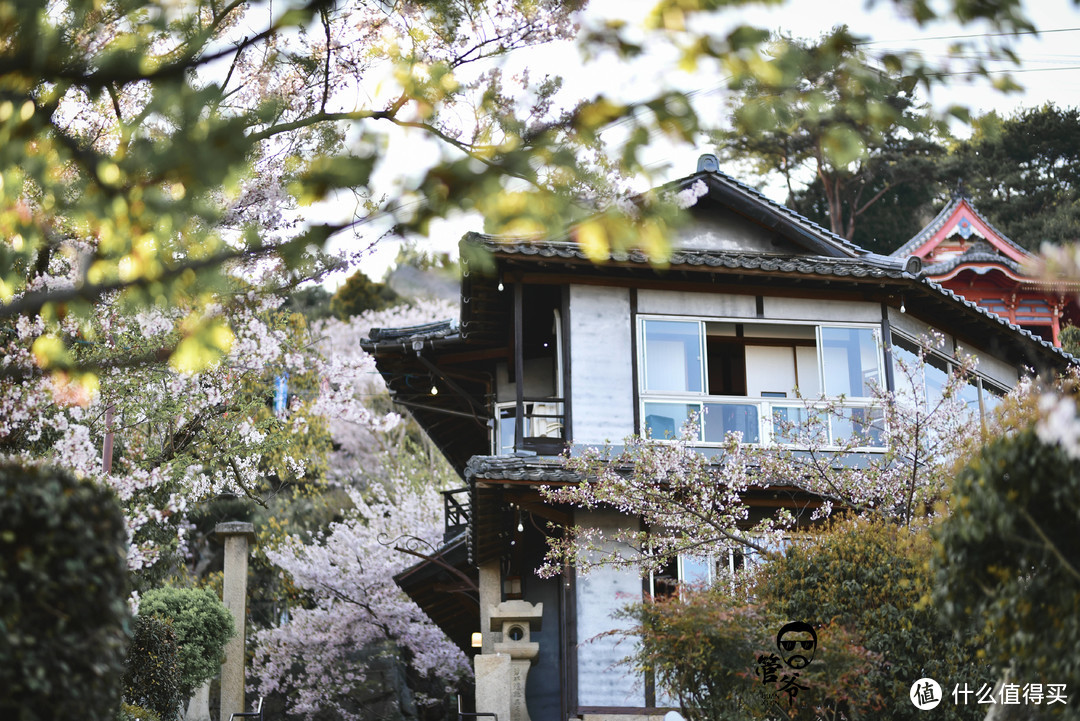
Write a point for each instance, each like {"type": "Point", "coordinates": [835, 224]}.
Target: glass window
{"type": "Point", "coordinates": [673, 356]}
{"type": "Point", "coordinates": [865, 425]}
{"type": "Point", "coordinates": [695, 570]}
{"type": "Point", "coordinates": [969, 394]}
{"type": "Point", "coordinates": [792, 423]}
{"type": "Point", "coordinates": [918, 380]}
{"type": "Point", "coordinates": [850, 362]}
{"type": "Point", "coordinates": [992, 398]}
{"type": "Point", "coordinates": [936, 373]}
{"type": "Point", "coordinates": [723, 418]}
{"type": "Point", "coordinates": [666, 420]}
{"type": "Point", "coordinates": [506, 430]}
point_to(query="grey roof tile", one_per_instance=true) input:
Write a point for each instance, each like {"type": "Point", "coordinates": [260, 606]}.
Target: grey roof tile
{"type": "Point", "coordinates": [519, 468]}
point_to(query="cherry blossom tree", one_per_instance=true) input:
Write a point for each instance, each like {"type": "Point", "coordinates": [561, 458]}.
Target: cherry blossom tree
{"type": "Point", "coordinates": [895, 462]}
{"type": "Point", "coordinates": [354, 605]}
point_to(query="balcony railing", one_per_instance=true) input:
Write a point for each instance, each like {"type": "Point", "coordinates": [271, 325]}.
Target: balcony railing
{"type": "Point", "coordinates": [456, 511]}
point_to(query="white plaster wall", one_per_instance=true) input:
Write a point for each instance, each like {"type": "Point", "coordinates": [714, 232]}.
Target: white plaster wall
{"type": "Point", "coordinates": [601, 364]}
{"type": "Point", "coordinates": [727, 231]}
{"type": "Point", "coordinates": [822, 310]}
{"type": "Point", "coordinates": [992, 367]}
{"type": "Point", "coordinates": [709, 305]}
{"type": "Point", "coordinates": [916, 328]}
{"type": "Point", "coordinates": [602, 681]}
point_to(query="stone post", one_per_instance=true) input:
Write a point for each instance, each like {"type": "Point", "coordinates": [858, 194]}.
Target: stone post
{"type": "Point", "coordinates": [236, 536]}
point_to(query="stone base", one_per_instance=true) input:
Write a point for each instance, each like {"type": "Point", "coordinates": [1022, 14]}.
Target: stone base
{"type": "Point", "coordinates": [198, 708]}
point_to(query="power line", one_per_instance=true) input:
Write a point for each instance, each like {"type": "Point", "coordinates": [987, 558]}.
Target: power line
{"type": "Point", "coordinates": [972, 35]}
{"type": "Point", "coordinates": [999, 72]}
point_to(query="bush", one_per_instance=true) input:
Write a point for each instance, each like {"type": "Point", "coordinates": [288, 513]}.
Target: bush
{"type": "Point", "coordinates": [1009, 556]}
{"type": "Point", "coordinates": [202, 625]}
{"type": "Point", "coordinates": [152, 678]}
{"type": "Point", "coordinates": [63, 585]}
{"type": "Point", "coordinates": [703, 647]}
{"type": "Point", "coordinates": [874, 577]}
{"type": "Point", "coordinates": [128, 712]}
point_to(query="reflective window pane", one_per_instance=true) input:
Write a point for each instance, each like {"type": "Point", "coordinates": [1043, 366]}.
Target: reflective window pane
{"type": "Point", "coordinates": [865, 425]}
{"type": "Point", "coordinates": [665, 420]}
{"type": "Point", "coordinates": [672, 356]}
{"type": "Point", "coordinates": [723, 418]}
{"type": "Point", "coordinates": [694, 570]}
{"type": "Point", "coordinates": [969, 394]}
{"type": "Point", "coordinates": [800, 426]}
{"type": "Point", "coordinates": [992, 398]}
{"type": "Point", "coordinates": [850, 360]}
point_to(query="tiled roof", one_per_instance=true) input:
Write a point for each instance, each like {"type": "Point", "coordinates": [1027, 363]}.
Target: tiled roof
{"type": "Point", "coordinates": [519, 468]}
{"type": "Point", "coordinates": [427, 331]}
{"type": "Point", "coordinates": [803, 265]}
{"type": "Point", "coordinates": [869, 267]}
{"type": "Point", "coordinates": [946, 266]}
{"type": "Point", "coordinates": [757, 195]}
{"type": "Point", "coordinates": [939, 220]}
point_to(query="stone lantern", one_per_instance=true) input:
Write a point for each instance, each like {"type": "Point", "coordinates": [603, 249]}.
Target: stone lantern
{"type": "Point", "coordinates": [508, 667]}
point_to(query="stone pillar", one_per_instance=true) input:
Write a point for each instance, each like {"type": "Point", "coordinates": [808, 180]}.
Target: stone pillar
{"type": "Point", "coordinates": [490, 595]}
{"type": "Point", "coordinates": [198, 708]}
{"type": "Point", "coordinates": [236, 536]}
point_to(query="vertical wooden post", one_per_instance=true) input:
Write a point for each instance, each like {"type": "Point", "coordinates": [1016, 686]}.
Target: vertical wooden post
{"type": "Point", "coordinates": [519, 368]}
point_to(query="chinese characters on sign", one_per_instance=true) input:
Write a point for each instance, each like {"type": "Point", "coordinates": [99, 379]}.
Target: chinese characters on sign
{"type": "Point", "coordinates": [1012, 694]}
{"type": "Point", "coordinates": [926, 694]}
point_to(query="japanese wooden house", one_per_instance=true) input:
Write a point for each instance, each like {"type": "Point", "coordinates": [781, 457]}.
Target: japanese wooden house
{"type": "Point", "coordinates": [552, 351]}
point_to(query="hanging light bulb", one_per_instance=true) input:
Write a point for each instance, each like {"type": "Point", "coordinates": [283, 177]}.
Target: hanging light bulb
{"type": "Point", "coordinates": [434, 389]}
{"type": "Point", "coordinates": [500, 286]}
{"type": "Point", "coordinates": [902, 308]}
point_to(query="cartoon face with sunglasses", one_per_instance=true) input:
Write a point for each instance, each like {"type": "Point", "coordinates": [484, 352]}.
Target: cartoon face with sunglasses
{"type": "Point", "coordinates": [797, 642]}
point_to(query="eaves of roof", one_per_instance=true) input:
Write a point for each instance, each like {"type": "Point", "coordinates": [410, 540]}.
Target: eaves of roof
{"type": "Point", "coordinates": [542, 469]}
{"type": "Point", "coordinates": [870, 266]}
{"type": "Point", "coordinates": [448, 330]}
{"type": "Point", "coordinates": [951, 264]}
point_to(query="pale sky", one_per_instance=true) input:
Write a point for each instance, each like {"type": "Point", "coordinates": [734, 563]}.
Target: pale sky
{"type": "Point", "coordinates": [1050, 71]}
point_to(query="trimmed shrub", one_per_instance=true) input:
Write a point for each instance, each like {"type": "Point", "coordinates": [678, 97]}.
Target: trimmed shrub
{"type": "Point", "coordinates": [202, 625]}
{"type": "Point", "coordinates": [152, 678]}
{"type": "Point", "coordinates": [63, 584]}
{"type": "Point", "coordinates": [136, 713]}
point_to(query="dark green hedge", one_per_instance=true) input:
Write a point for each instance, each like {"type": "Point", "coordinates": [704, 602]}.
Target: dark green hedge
{"type": "Point", "coordinates": [63, 584]}
{"type": "Point", "coordinates": [152, 677]}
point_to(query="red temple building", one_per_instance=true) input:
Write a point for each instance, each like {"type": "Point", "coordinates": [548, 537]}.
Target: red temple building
{"type": "Point", "coordinates": [964, 253]}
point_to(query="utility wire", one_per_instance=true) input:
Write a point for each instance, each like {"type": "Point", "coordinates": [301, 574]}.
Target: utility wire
{"type": "Point", "coordinates": [973, 35]}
